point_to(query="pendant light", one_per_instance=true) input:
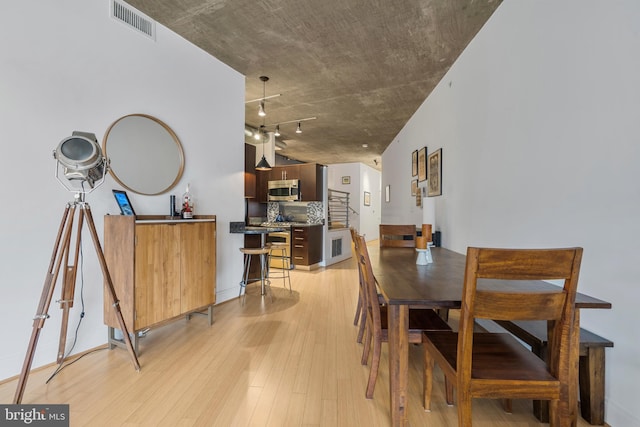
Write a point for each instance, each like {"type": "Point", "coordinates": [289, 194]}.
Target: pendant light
{"type": "Point", "coordinates": [263, 164]}
{"type": "Point", "coordinates": [277, 133]}
{"type": "Point", "coordinates": [299, 129]}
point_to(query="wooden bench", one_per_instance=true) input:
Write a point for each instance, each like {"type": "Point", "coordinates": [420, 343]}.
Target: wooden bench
{"type": "Point", "coordinates": [397, 236]}
{"type": "Point", "coordinates": [591, 369]}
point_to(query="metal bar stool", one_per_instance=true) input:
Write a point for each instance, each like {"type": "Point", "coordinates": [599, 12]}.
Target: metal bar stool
{"type": "Point", "coordinates": [263, 253]}
{"type": "Point", "coordinates": [280, 249]}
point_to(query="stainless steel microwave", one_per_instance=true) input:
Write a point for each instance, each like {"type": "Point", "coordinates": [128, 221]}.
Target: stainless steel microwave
{"type": "Point", "coordinates": [286, 190]}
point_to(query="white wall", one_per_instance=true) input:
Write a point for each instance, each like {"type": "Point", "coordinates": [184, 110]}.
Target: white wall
{"type": "Point", "coordinates": [538, 122]}
{"type": "Point", "coordinates": [68, 66]}
{"type": "Point", "coordinates": [363, 178]}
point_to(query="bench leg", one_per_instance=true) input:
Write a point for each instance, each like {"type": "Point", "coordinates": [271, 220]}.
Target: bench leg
{"type": "Point", "coordinates": [592, 385]}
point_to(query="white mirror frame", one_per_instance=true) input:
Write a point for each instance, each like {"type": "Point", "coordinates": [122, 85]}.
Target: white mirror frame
{"type": "Point", "coordinates": [145, 155]}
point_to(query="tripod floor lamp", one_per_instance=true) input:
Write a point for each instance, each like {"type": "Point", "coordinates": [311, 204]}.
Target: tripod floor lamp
{"type": "Point", "coordinates": [82, 163]}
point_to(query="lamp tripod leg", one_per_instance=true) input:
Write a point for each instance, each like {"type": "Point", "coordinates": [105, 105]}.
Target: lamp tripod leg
{"type": "Point", "coordinates": [109, 284]}
{"type": "Point", "coordinates": [68, 287]}
{"type": "Point", "coordinates": [45, 298]}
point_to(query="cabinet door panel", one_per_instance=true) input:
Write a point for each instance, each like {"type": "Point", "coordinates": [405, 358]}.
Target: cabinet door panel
{"type": "Point", "coordinates": [198, 271]}
{"type": "Point", "coordinates": [157, 275]}
{"type": "Point", "coordinates": [119, 247]}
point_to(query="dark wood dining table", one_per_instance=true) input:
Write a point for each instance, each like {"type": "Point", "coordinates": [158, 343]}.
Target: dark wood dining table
{"type": "Point", "coordinates": [437, 285]}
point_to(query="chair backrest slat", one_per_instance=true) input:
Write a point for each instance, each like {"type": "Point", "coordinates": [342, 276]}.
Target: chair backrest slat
{"type": "Point", "coordinates": [518, 306]}
{"type": "Point", "coordinates": [525, 264]}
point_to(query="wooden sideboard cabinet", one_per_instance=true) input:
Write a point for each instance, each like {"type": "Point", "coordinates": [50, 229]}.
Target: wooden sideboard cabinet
{"type": "Point", "coordinates": [161, 269]}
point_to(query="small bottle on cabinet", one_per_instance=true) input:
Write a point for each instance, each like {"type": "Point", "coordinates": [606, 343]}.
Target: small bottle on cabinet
{"type": "Point", "coordinates": [187, 204]}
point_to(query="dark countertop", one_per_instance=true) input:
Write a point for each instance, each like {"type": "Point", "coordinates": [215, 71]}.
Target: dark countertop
{"type": "Point", "coordinates": [255, 230]}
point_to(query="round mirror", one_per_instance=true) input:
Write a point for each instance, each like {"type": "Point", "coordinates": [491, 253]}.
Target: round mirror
{"type": "Point", "coordinates": [145, 154]}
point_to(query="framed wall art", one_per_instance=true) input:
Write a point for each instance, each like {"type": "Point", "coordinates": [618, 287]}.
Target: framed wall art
{"type": "Point", "coordinates": [367, 198]}
{"type": "Point", "coordinates": [387, 193]}
{"type": "Point", "coordinates": [435, 174]}
{"type": "Point", "coordinates": [346, 180]}
{"type": "Point", "coordinates": [414, 163]}
{"type": "Point", "coordinates": [422, 164]}
{"type": "Point", "coordinates": [414, 187]}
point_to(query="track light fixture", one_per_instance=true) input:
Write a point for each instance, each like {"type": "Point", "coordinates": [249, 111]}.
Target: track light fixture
{"type": "Point", "coordinates": [297, 121]}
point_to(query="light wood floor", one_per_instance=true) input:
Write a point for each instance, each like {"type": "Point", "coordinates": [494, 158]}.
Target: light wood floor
{"type": "Point", "coordinates": [288, 362]}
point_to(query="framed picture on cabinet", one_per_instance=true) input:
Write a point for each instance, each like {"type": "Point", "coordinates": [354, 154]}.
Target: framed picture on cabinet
{"type": "Point", "coordinates": [422, 164]}
{"type": "Point", "coordinates": [367, 198]}
{"type": "Point", "coordinates": [434, 187]}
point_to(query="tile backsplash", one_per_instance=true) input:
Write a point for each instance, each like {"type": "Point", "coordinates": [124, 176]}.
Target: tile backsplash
{"type": "Point", "coordinates": [309, 212]}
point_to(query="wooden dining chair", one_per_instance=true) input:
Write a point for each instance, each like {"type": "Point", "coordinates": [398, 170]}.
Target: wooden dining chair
{"type": "Point", "coordinates": [361, 312]}
{"type": "Point", "coordinates": [496, 365]}
{"type": "Point", "coordinates": [377, 332]}
{"type": "Point", "coordinates": [397, 236]}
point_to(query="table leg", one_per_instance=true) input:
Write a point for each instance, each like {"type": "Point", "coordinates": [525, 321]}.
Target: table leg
{"type": "Point", "coordinates": [398, 318]}
{"type": "Point", "coordinates": [263, 239]}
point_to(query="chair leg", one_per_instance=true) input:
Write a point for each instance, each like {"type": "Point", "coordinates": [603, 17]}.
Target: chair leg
{"type": "Point", "coordinates": [373, 370]}
{"type": "Point", "coordinates": [448, 390]}
{"type": "Point", "coordinates": [427, 381]}
{"type": "Point", "coordinates": [358, 307]}
{"type": "Point", "coordinates": [363, 324]}
{"type": "Point", "coordinates": [464, 408]}
{"type": "Point", "coordinates": [245, 278]}
{"type": "Point", "coordinates": [507, 405]}
{"type": "Point", "coordinates": [367, 346]}
{"type": "Point", "coordinates": [264, 264]}
{"type": "Point", "coordinates": [288, 270]}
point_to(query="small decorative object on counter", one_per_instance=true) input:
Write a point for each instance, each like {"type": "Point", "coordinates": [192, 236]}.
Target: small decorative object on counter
{"type": "Point", "coordinates": [187, 204]}
{"type": "Point", "coordinates": [172, 205]}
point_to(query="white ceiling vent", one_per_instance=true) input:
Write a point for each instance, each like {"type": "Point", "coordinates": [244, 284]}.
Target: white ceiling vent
{"type": "Point", "coordinates": [132, 18]}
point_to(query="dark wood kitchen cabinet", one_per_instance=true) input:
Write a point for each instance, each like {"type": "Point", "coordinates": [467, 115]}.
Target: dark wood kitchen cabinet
{"type": "Point", "coordinates": [249, 171]}
{"type": "Point", "coordinates": [306, 245]}
{"type": "Point", "coordinates": [309, 174]}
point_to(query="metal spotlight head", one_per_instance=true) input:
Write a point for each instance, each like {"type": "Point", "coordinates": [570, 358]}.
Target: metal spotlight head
{"type": "Point", "coordinates": [81, 158]}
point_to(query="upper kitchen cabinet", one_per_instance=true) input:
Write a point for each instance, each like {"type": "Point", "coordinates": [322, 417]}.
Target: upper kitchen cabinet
{"type": "Point", "coordinates": [249, 171]}
{"type": "Point", "coordinates": [309, 174]}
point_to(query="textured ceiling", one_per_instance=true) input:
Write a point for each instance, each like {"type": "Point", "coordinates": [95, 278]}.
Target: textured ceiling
{"type": "Point", "coordinates": [362, 67]}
